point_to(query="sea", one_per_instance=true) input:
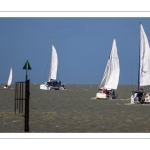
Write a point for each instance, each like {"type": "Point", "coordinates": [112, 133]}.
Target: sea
{"type": "Point", "coordinates": [74, 110]}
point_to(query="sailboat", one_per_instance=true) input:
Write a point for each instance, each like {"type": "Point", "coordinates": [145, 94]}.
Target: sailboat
{"type": "Point", "coordinates": [52, 78]}
{"type": "Point", "coordinates": [110, 78]}
{"type": "Point", "coordinates": [9, 79]}
{"type": "Point", "coordinates": [144, 69]}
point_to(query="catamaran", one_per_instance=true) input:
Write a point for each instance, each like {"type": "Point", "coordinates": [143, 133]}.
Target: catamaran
{"type": "Point", "coordinates": [9, 80]}
{"type": "Point", "coordinates": [110, 78]}
{"type": "Point", "coordinates": [52, 79]}
{"type": "Point", "coordinates": [144, 70]}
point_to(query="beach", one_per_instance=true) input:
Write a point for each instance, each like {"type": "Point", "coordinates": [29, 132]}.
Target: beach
{"type": "Point", "coordinates": [74, 110]}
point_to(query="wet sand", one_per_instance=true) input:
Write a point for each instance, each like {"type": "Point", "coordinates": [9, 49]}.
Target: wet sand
{"type": "Point", "coordinates": [75, 111]}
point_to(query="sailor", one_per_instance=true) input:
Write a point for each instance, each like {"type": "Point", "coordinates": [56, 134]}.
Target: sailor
{"type": "Point", "coordinates": [140, 94]}
{"type": "Point", "coordinates": [113, 93]}
{"type": "Point", "coordinates": [143, 98]}
{"type": "Point", "coordinates": [105, 91]}
{"type": "Point", "coordinates": [63, 86]}
{"type": "Point", "coordinates": [100, 90]}
{"type": "Point", "coordinates": [5, 85]}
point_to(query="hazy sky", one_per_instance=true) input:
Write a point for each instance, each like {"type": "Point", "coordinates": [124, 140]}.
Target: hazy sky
{"type": "Point", "coordinates": [83, 46]}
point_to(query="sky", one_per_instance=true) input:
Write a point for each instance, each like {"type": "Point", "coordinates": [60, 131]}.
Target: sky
{"type": "Point", "coordinates": [83, 46]}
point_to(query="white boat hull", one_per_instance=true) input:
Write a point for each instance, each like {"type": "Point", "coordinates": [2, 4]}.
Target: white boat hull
{"type": "Point", "coordinates": [102, 96]}
{"type": "Point", "coordinates": [147, 98]}
{"type": "Point", "coordinates": [46, 87]}
{"type": "Point", "coordinates": [5, 87]}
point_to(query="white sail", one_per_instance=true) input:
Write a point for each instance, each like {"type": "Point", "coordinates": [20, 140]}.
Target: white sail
{"type": "Point", "coordinates": [52, 79]}
{"type": "Point", "coordinates": [112, 71]}
{"type": "Point", "coordinates": [144, 58]}
{"type": "Point", "coordinates": [54, 65]}
{"type": "Point", "coordinates": [10, 77]}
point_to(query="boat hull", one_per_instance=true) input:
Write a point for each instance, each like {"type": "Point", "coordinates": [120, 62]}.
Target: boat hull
{"type": "Point", "coordinates": [5, 87]}
{"type": "Point", "coordinates": [46, 87]}
{"type": "Point", "coordinates": [135, 99]}
{"type": "Point", "coordinates": [101, 96]}
{"type": "Point", "coordinates": [147, 98]}
{"type": "Point", "coordinates": [104, 96]}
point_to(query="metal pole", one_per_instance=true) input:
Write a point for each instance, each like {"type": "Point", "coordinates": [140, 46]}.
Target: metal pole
{"type": "Point", "coordinates": [22, 97]}
{"type": "Point", "coordinates": [19, 97]}
{"type": "Point", "coordinates": [27, 106]}
{"type": "Point", "coordinates": [26, 74]}
{"type": "Point", "coordinates": [15, 96]}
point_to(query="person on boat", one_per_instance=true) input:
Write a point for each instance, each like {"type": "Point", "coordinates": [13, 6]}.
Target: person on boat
{"type": "Point", "coordinates": [140, 94]}
{"type": "Point", "coordinates": [59, 83]}
{"type": "Point", "coordinates": [113, 93]}
{"type": "Point", "coordinates": [5, 85]}
{"type": "Point", "coordinates": [132, 97]}
{"type": "Point", "coordinates": [143, 98]}
{"type": "Point", "coordinates": [100, 90]}
{"type": "Point", "coordinates": [105, 91]}
{"type": "Point", "coordinates": [63, 86]}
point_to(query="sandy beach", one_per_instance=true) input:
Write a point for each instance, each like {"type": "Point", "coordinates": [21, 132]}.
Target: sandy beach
{"type": "Point", "coordinates": [74, 111]}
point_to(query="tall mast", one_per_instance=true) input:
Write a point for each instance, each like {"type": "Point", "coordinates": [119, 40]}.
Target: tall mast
{"type": "Point", "coordinates": [139, 61]}
{"type": "Point", "coordinates": [49, 78]}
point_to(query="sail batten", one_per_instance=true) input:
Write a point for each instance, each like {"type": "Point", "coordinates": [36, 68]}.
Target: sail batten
{"type": "Point", "coordinates": [111, 75]}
